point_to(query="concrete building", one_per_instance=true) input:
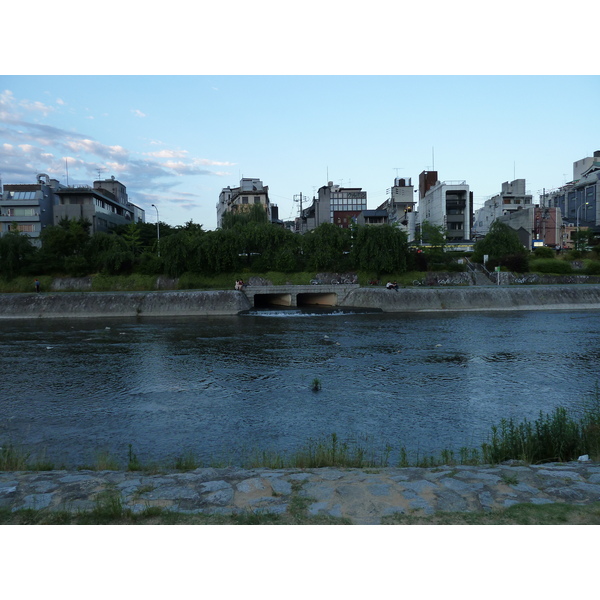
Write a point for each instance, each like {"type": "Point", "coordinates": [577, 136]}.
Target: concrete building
{"type": "Point", "coordinates": [579, 200]}
{"type": "Point", "coordinates": [401, 206]}
{"type": "Point", "coordinates": [334, 204]}
{"type": "Point", "coordinates": [512, 198]}
{"type": "Point", "coordinates": [105, 205]}
{"type": "Point", "coordinates": [28, 207]}
{"type": "Point", "coordinates": [445, 203]}
{"type": "Point", "coordinates": [239, 199]}
{"type": "Point", "coordinates": [536, 225]}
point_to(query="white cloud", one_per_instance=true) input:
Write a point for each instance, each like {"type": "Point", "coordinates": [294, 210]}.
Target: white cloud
{"type": "Point", "coordinates": [168, 153]}
{"type": "Point", "coordinates": [60, 101]}
{"type": "Point", "coordinates": [138, 113]}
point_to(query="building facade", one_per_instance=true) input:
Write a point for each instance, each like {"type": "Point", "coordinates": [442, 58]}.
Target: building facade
{"type": "Point", "coordinates": [239, 199]}
{"type": "Point", "coordinates": [579, 200]}
{"type": "Point", "coordinates": [401, 206]}
{"type": "Point", "coordinates": [28, 207]}
{"type": "Point", "coordinates": [334, 204]}
{"type": "Point", "coordinates": [445, 203]}
{"type": "Point", "coordinates": [512, 198]}
{"type": "Point", "coordinates": [105, 205]}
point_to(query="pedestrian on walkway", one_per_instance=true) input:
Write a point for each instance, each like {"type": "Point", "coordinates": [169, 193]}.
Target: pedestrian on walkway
{"type": "Point", "coordinates": [37, 285]}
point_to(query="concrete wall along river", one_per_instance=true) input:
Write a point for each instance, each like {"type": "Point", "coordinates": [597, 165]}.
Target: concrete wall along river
{"type": "Point", "coordinates": [230, 302]}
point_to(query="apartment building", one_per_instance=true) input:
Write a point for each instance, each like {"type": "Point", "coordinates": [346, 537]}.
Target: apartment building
{"type": "Point", "coordinates": [334, 204]}
{"type": "Point", "coordinates": [401, 206]}
{"type": "Point", "coordinates": [445, 203]}
{"type": "Point", "coordinates": [105, 205]}
{"type": "Point", "coordinates": [28, 207]}
{"type": "Point", "coordinates": [512, 198]}
{"type": "Point", "coordinates": [239, 199]}
{"type": "Point", "coordinates": [579, 200]}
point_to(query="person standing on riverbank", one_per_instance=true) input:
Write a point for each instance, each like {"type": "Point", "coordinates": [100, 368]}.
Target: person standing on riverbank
{"type": "Point", "coordinates": [37, 285]}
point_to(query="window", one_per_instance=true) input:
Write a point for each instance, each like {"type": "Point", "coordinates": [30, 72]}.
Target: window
{"type": "Point", "coordinates": [20, 212]}
{"type": "Point", "coordinates": [256, 199]}
{"type": "Point", "coordinates": [244, 199]}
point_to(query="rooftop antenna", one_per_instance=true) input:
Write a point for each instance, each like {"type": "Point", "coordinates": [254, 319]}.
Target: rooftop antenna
{"type": "Point", "coordinates": [398, 169]}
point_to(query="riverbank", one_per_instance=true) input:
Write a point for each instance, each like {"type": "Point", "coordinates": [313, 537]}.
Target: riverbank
{"type": "Point", "coordinates": [230, 302]}
{"type": "Point", "coordinates": [325, 495]}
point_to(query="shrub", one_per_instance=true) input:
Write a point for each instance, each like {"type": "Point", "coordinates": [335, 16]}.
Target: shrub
{"type": "Point", "coordinates": [517, 263]}
{"type": "Point", "coordinates": [544, 252]}
{"type": "Point", "coordinates": [593, 268]}
{"type": "Point", "coordinates": [547, 265]}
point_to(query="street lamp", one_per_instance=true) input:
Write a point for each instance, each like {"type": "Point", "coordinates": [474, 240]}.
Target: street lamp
{"type": "Point", "coordinates": [157, 231]}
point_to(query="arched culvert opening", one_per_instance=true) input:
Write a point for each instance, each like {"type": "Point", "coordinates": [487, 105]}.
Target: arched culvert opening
{"type": "Point", "coordinates": [266, 300]}
{"type": "Point", "coordinates": [329, 299]}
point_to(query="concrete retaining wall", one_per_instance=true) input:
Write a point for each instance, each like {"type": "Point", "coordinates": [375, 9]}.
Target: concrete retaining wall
{"type": "Point", "coordinates": [122, 304]}
{"type": "Point", "coordinates": [230, 302]}
{"type": "Point", "coordinates": [534, 297]}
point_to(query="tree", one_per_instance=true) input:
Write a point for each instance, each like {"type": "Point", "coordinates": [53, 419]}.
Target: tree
{"type": "Point", "coordinates": [380, 249]}
{"type": "Point", "coordinates": [326, 247]}
{"type": "Point", "coordinates": [16, 253]}
{"type": "Point", "coordinates": [109, 253]}
{"type": "Point", "coordinates": [254, 214]}
{"type": "Point", "coordinates": [500, 242]}
{"type": "Point", "coordinates": [64, 243]}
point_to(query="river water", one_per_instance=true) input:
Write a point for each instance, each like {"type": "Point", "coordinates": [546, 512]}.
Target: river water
{"type": "Point", "coordinates": [222, 387]}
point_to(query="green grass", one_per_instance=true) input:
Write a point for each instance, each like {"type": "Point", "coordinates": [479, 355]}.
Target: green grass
{"type": "Point", "coordinates": [519, 514]}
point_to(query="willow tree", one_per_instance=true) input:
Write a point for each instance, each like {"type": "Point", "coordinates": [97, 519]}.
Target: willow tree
{"type": "Point", "coordinates": [500, 243]}
{"type": "Point", "coordinates": [379, 249]}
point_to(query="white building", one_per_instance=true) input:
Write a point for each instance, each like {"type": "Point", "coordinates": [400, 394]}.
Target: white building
{"type": "Point", "coordinates": [513, 197]}
{"type": "Point", "coordinates": [445, 203]}
{"type": "Point", "coordinates": [401, 206]}
{"type": "Point", "coordinates": [239, 199]}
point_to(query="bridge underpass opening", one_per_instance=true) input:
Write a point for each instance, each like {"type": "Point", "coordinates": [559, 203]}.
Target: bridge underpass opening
{"type": "Point", "coordinates": [328, 299]}
{"type": "Point", "coordinates": [266, 300]}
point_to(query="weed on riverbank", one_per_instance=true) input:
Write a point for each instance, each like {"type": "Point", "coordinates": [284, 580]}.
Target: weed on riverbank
{"type": "Point", "coordinates": [559, 436]}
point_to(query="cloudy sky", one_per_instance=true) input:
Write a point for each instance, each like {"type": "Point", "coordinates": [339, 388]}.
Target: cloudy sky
{"type": "Point", "coordinates": [175, 140]}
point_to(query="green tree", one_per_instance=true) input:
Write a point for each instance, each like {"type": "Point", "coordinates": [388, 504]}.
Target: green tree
{"type": "Point", "coordinates": [500, 242]}
{"type": "Point", "coordinates": [254, 214]}
{"type": "Point", "coordinates": [64, 244]}
{"type": "Point", "coordinates": [327, 248]}
{"type": "Point", "coordinates": [16, 253]}
{"type": "Point", "coordinates": [109, 253]}
{"type": "Point", "coordinates": [379, 249]}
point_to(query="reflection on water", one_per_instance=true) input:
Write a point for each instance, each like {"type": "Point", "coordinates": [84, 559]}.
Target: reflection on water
{"type": "Point", "coordinates": [225, 385]}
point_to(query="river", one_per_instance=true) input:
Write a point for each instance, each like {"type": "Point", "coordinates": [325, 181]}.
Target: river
{"type": "Point", "coordinates": [220, 387]}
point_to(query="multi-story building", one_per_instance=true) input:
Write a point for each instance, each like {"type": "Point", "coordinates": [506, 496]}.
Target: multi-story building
{"type": "Point", "coordinates": [579, 200]}
{"type": "Point", "coordinates": [536, 225]}
{"type": "Point", "coordinates": [445, 203]}
{"type": "Point", "coordinates": [28, 207]}
{"type": "Point", "coordinates": [105, 205]}
{"type": "Point", "coordinates": [512, 198]}
{"type": "Point", "coordinates": [334, 204]}
{"type": "Point", "coordinates": [240, 199]}
{"type": "Point", "coordinates": [400, 206]}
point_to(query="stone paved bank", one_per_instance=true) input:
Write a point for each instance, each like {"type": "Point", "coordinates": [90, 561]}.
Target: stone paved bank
{"type": "Point", "coordinates": [363, 496]}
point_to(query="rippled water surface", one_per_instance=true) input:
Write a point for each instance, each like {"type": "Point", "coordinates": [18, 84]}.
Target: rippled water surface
{"type": "Point", "coordinates": [223, 386]}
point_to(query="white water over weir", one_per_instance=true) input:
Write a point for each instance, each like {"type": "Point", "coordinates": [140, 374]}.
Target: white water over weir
{"type": "Point", "coordinates": [230, 302]}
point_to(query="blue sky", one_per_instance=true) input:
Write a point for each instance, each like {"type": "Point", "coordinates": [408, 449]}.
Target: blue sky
{"type": "Point", "coordinates": [177, 109]}
{"type": "Point", "coordinates": [176, 141]}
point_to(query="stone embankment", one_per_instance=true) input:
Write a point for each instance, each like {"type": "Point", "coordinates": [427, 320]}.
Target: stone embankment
{"type": "Point", "coordinates": [231, 302]}
{"type": "Point", "coordinates": [362, 496]}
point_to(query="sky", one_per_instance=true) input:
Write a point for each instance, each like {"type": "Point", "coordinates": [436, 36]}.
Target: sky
{"type": "Point", "coordinates": [177, 141]}
{"type": "Point", "coordinates": [355, 98]}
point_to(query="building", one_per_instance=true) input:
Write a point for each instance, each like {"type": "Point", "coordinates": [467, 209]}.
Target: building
{"type": "Point", "coordinates": [512, 198]}
{"type": "Point", "coordinates": [400, 206]}
{"type": "Point", "coordinates": [105, 205]}
{"type": "Point", "coordinates": [579, 200]}
{"type": "Point", "coordinates": [28, 207]}
{"type": "Point", "coordinates": [334, 204]}
{"type": "Point", "coordinates": [445, 203]}
{"type": "Point", "coordinates": [236, 200]}
{"type": "Point", "coordinates": [536, 225]}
